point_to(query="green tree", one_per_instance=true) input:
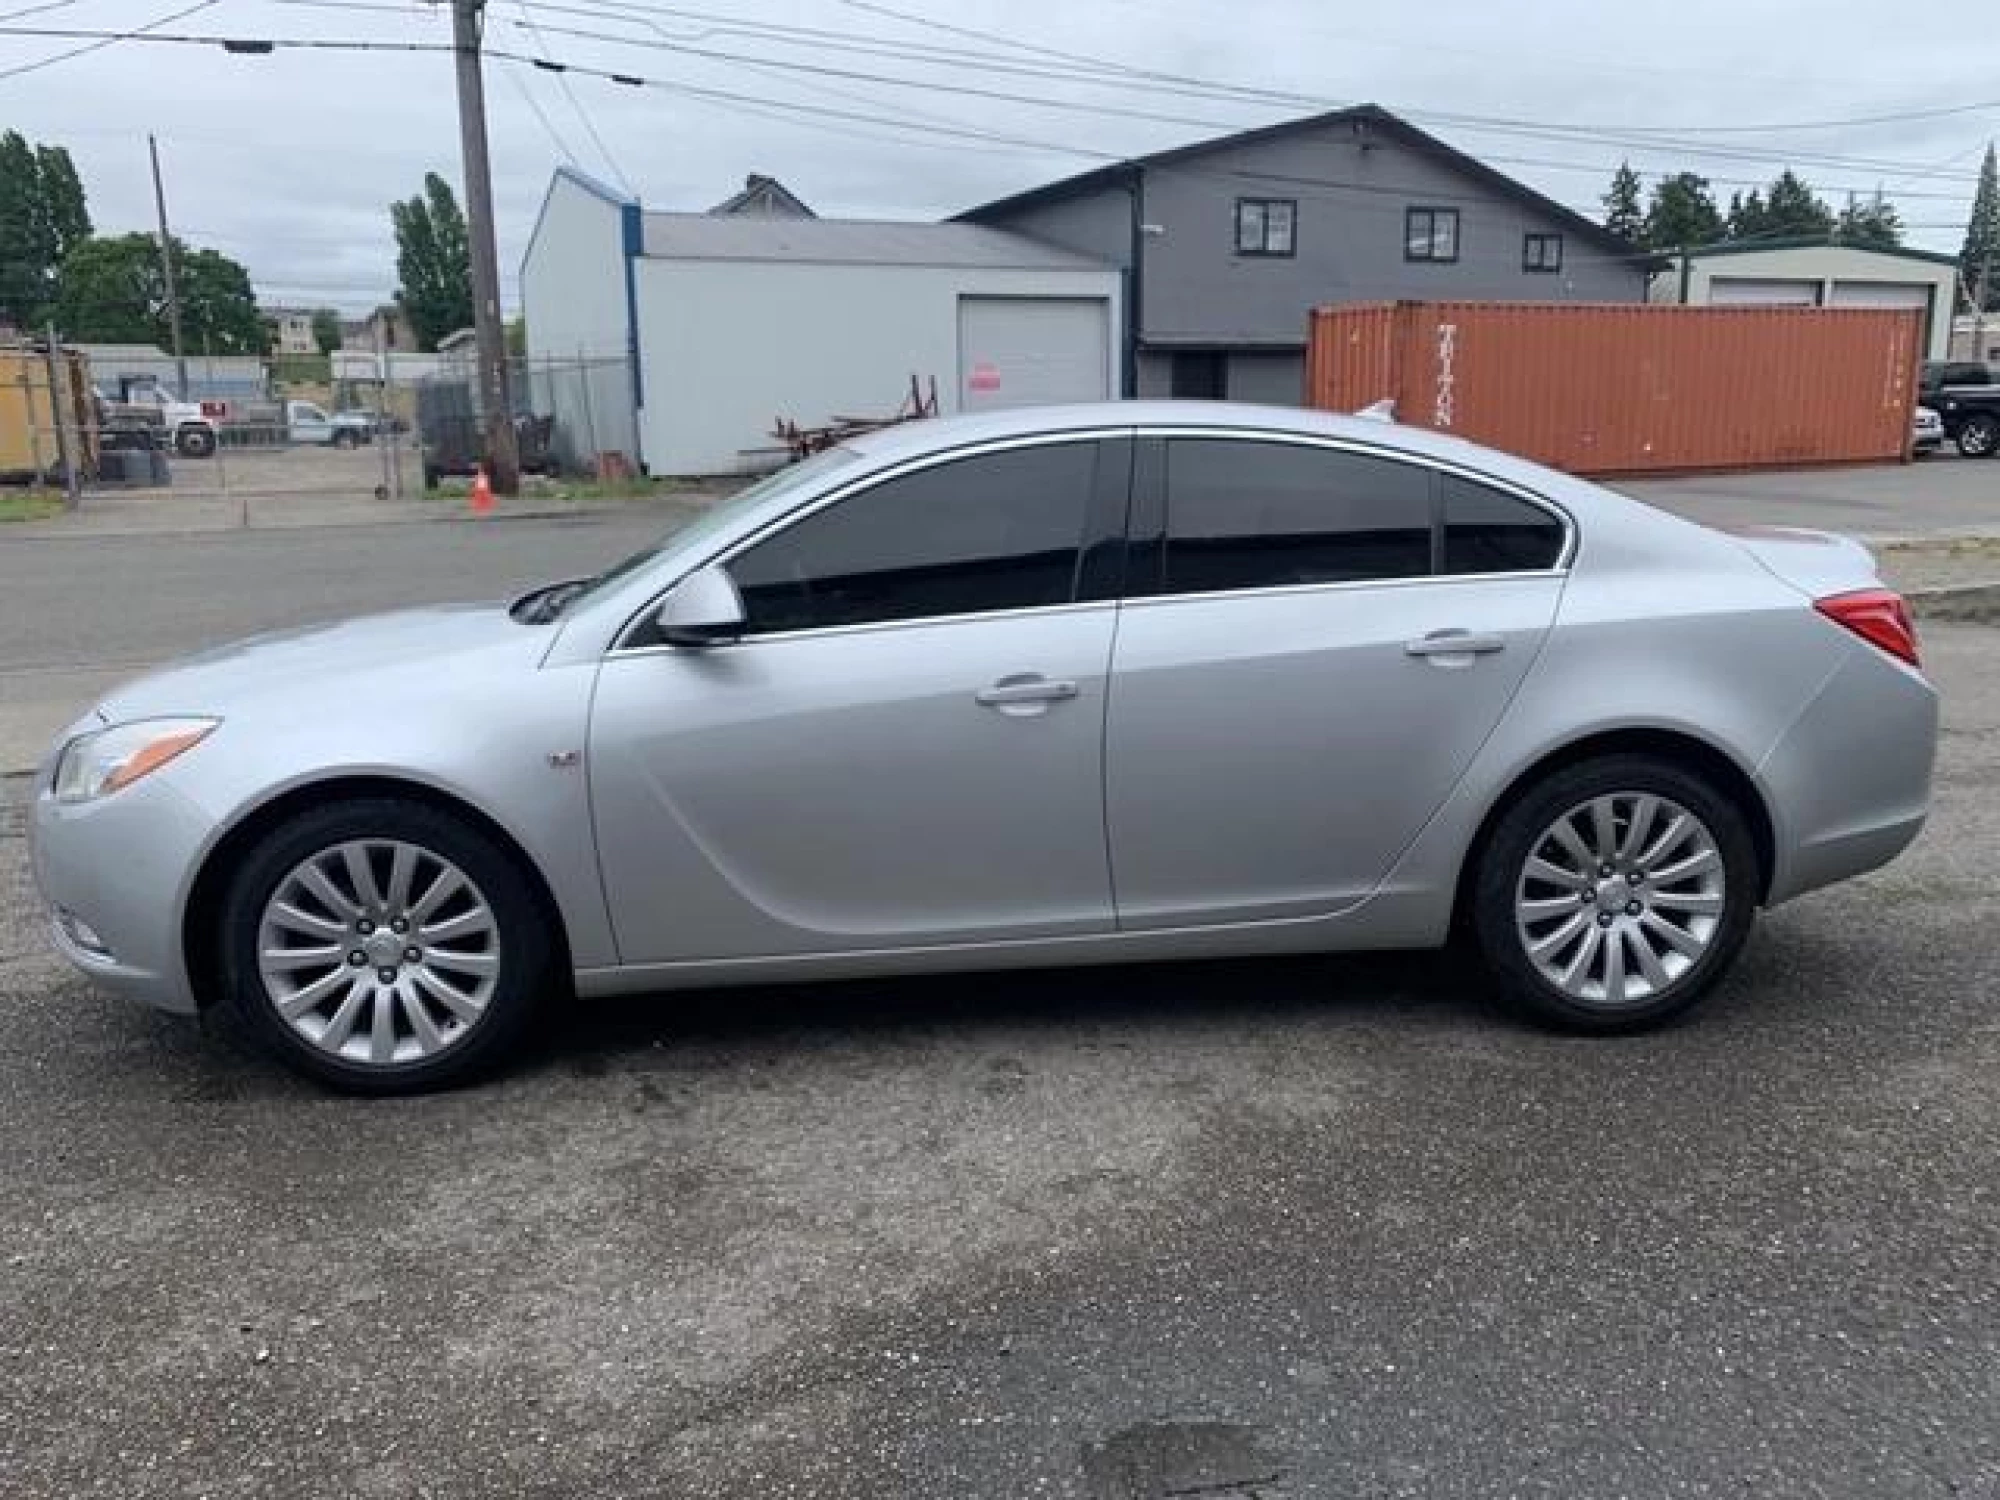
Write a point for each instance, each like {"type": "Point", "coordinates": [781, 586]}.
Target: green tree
{"type": "Point", "coordinates": [1682, 213]}
{"type": "Point", "coordinates": [517, 334]}
{"type": "Point", "coordinates": [1624, 215]}
{"type": "Point", "coordinates": [433, 261]}
{"type": "Point", "coordinates": [1870, 224]}
{"type": "Point", "coordinates": [1748, 218]}
{"type": "Point", "coordinates": [326, 329]}
{"type": "Point", "coordinates": [1979, 260]}
{"type": "Point", "coordinates": [113, 291]}
{"type": "Point", "coordinates": [43, 216]}
{"type": "Point", "coordinates": [1794, 211]}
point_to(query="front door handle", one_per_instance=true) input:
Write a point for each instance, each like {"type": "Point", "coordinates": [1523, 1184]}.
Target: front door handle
{"type": "Point", "coordinates": [1025, 690]}
{"type": "Point", "coordinates": [1455, 643]}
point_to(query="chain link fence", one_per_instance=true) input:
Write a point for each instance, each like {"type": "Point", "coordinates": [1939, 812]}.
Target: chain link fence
{"type": "Point", "coordinates": [312, 432]}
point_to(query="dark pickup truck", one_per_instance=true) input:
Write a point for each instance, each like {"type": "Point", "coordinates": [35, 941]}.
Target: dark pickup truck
{"type": "Point", "coordinates": [1966, 396]}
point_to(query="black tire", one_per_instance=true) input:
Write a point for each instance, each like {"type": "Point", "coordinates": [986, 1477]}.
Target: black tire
{"type": "Point", "coordinates": [194, 442]}
{"type": "Point", "coordinates": [1979, 436]}
{"type": "Point", "coordinates": [1518, 834]}
{"type": "Point", "coordinates": [527, 954]}
{"type": "Point", "coordinates": [344, 439]}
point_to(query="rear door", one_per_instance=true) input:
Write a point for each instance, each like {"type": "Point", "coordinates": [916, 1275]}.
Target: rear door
{"type": "Point", "coordinates": [1316, 641]}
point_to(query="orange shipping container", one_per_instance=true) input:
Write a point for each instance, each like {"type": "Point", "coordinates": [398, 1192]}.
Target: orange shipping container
{"type": "Point", "coordinates": [1631, 389]}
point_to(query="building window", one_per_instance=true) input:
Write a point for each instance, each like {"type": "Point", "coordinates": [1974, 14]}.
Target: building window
{"type": "Point", "coordinates": [1430, 234]}
{"type": "Point", "coordinates": [1542, 252]}
{"type": "Point", "coordinates": [1266, 226]}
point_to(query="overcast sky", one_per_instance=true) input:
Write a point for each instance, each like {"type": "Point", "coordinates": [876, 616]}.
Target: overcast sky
{"type": "Point", "coordinates": [287, 161]}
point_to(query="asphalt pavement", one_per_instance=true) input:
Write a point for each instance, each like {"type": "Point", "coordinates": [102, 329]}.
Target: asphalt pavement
{"type": "Point", "coordinates": [1303, 1228]}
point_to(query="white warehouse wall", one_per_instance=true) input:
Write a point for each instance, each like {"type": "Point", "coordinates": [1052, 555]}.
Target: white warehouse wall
{"type": "Point", "coordinates": [1823, 267]}
{"type": "Point", "coordinates": [573, 296]}
{"type": "Point", "coordinates": [728, 346]}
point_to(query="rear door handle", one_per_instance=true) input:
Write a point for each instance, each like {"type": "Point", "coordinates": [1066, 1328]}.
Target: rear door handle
{"type": "Point", "coordinates": [1025, 688]}
{"type": "Point", "coordinates": [1455, 643]}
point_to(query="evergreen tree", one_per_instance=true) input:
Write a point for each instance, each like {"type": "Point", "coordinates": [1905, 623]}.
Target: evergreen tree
{"type": "Point", "coordinates": [1624, 215]}
{"type": "Point", "coordinates": [1870, 224]}
{"type": "Point", "coordinates": [1794, 211]}
{"type": "Point", "coordinates": [42, 218]}
{"type": "Point", "coordinates": [1979, 261]}
{"type": "Point", "coordinates": [1682, 213]}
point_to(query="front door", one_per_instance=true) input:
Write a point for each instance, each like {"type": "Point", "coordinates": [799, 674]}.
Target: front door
{"type": "Point", "coordinates": [905, 750]}
{"type": "Point", "coordinates": [1317, 643]}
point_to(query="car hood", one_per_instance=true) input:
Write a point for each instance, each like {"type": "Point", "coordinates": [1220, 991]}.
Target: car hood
{"type": "Point", "coordinates": [310, 658]}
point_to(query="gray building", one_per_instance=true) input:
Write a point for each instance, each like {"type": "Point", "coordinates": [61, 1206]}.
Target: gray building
{"type": "Point", "coordinates": [1226, 244]}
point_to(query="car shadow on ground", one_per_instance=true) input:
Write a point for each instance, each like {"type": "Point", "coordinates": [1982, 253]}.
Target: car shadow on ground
{"type": "Point", "coordinates": [604, 1034]}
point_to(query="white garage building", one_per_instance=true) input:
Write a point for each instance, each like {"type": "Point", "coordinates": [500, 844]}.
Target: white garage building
{"type": "Point", "coordinates": [727, 323]}
{"type": "Point", "coordinates": [1816, 273]}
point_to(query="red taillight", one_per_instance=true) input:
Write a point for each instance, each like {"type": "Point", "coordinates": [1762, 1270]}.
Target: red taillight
{"type": "Point", "coordinates": [1879, 617]}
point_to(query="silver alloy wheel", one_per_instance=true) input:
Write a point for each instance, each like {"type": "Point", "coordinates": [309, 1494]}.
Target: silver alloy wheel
{"type": "Point", "coordinates": [379, 952]}
{"type": "Point", "coordinates": [1619, 898]}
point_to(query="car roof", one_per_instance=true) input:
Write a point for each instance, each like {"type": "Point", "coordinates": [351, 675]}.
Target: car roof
{"type": "Point", "coordinates": [932, 435]}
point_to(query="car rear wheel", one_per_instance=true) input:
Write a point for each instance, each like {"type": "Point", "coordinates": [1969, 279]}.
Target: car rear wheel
{"type": "Point", "coordinates": [383, 946]}
{"type": "Point", "coordinates": [1979, 437]}
{"type": "Point", "coordinates": [1615, 894]}
{"type": "Point", "coordinates": [195, 442]}
{"type": "Point", "coordinates": [346, 439]}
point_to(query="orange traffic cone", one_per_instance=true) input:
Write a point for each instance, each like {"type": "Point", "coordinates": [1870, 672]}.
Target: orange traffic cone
{"type": "Point", "coordinates": [482, 492]}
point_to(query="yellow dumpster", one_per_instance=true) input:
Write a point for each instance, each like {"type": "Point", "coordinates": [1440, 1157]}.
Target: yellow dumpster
{"type": "Point", "coordinates": [31, 446]}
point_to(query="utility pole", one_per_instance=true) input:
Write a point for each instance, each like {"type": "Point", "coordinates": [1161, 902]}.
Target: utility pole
{"type": "Point", "coordinates": [167, 272]}
{"type": "Point", "coordinates": [62, 394]}
{"type": "Point", "coordinates": [503, 461]}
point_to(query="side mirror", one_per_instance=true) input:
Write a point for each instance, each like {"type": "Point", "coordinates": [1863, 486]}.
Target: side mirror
{"type": "Point", "coordinates": [703, 609]}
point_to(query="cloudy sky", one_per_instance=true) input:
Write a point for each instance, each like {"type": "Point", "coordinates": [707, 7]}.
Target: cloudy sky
{"type": "Point", "coordinates": [287, 161]}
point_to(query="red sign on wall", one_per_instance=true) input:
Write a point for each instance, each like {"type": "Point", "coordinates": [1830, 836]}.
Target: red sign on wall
{"type": "Point", "coordinates": [984, 377]}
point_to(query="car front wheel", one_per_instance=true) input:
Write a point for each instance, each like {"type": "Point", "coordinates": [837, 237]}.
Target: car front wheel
{"type": "Point", "coordinates": [383, 946]}
{"type": "Point", "coordinates": [1615, 894]}
{"type": "Point", "coordinates": [1979, 437]}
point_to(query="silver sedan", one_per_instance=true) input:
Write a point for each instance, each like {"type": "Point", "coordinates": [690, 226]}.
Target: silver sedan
{"type": "Point", "coordinates": [1076, 685]}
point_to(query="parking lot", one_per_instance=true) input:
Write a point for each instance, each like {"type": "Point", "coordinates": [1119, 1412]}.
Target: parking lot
{"type": "Point", "coordinates": [1294, 1228]}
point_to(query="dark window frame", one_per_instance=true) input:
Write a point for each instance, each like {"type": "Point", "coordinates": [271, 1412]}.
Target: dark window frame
{"type": "Point", "coordinates": [1539, 264]}
{"type": "Point", "coordinates": [1146, 551]}
{"type": "Point", "coordinates": [1097, 570]}
{"type": "Point", "coordinates": [1264, 251]}
{"type": "Point", "coordinates": [1432, 216]}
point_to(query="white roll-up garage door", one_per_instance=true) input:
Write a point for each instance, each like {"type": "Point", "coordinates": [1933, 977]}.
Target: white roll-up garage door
{"type": "Point", "coordinates": [1746, 291]}
{"type": "Point", "coordinates": [1032, 351]}
{"type": "Point", "coordinates": [1882, 294]}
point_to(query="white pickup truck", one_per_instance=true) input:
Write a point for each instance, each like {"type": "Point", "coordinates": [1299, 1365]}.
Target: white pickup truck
{"type": "Point", "coordinates": [192, 427]}
{"type": "Point", "coordinates": [309, 424]}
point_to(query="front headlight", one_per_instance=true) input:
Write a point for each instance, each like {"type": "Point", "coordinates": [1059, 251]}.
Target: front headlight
{"type": "Point", "coordinates": [97, 764]}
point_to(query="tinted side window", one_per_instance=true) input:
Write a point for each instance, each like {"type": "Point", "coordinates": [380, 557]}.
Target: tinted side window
{"type": "Point", "coordinates": [1489, 531]}
{"type": "Point", "coordinates": [1245, 515]}
{"type": "Point", "coordinates": [996, 531]}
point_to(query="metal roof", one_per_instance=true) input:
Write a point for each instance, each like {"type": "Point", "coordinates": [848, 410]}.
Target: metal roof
{"type": "Point", "coordinates": [1812, 242]}
{"type": "Point", "coordinates": [1360, 117]}
{"type": "Point", "coordinates": [683, 236]}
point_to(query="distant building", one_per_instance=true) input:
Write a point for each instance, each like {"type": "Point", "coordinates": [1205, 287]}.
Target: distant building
{"type": "Point", "coordinates": [1228, 243]}
{"type": "Point", "coordinates": [1817, 273]}
{"type": "Point", "coordinates": [764, 198]}
{"type": "Point", "coordinates": [291, 330]}
{"type": "Point", "coordinates": [387, 327]}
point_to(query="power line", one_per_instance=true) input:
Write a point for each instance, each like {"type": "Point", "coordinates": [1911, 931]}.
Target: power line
{"type": "Point", "coordinates": [589, 126]}
{"type": "Point", "coordinates": [99, 40]}
{"type": "Point", "coordinates": [528, 98]}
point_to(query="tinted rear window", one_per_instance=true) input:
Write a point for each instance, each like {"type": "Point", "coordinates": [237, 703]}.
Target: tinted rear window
{"type": "Point", "coordinates": [1489, 531]}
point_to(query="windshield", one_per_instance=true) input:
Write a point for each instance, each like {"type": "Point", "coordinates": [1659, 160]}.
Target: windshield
{"type": "Point", "coordinates": [717, 518]}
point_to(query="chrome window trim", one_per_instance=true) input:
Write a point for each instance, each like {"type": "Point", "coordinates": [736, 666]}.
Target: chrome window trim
{"type": "Point", "coordinates": [854, 486]}
{"type": "Point", "coordinates": [621, 645]}
{"type": "Point", "coordinates": [1551, 508]}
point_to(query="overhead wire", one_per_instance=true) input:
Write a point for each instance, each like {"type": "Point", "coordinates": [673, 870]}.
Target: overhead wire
{"type": "Point", "coordinates": [99, 40]}
{"type": "Point", "coordinates": [589, 125]}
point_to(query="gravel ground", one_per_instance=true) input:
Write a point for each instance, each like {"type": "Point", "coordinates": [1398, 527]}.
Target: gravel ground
{"type": "Point", "coordinates": [1320, 1228]}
